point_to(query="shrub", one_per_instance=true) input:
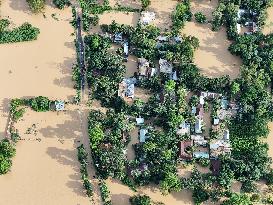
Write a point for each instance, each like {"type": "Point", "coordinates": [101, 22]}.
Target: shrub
{"type": "Point", "coordinates": [140, 200]}
{"type": "Point", "coordinates": [204, 162]}
{"type": "Point", "coordinates": [105, 193]}
{"type": "Point", "coordinates": [145, 3]}
{"type": "Point", "coordinates": [40, 104]}
{"type": "Point", "coordinates": [18, 114]}
{"type": "Point", "coordinates": [36, 5]}
{"type": "Point", "coordinates": [200, 17]}
{"type": "Point", "coordinates": [4, 23]}
{"type": "Point", "coordinates": [60, 4]}
{"type": "Point", "coordinates": [7, 151]}
{"type": "Point", "coordinates": [25, 32]}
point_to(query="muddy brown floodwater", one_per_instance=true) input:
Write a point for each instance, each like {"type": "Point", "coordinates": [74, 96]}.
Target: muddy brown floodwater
{"type": "Point", "coordinates": [268, 28]}
{"type": "Point", "coordinates": [41, 67]}
{"type": "Point", "coordinates": [212, 57]}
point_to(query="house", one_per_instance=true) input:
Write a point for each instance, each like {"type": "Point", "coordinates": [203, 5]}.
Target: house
{"type": "Point", "coordinates": [130, 91]}
{"type": "Point", "coordinates": [162, 38]}
{"type": "Point", "coordinates": [165, 66]}
{"type": "Point", "coordinates": [184, 128]}
{"type": "Point", "coordinates": [139, 121]}
{"type": "Point", "coordinates": [209, 94]}
{"type": "Point", "coordinates": [200, 111]}
{"type": "Point", "coordinates": [193, 110]}
{"type": "Point", "coordinates": [218, 147]}
{"type": "Point", "coordinates": [216, 121]}
{"type": "Point", "coordinates": [201, 100]}
{"type": "Point", "coordinates": [143, 66]}
{"type": "Point", "coordinates": [198, 126]}
{"type": "Point", "coordinates": [226, 135]}
{"type": "Point", "coordinates": [224, 103]}
{"type": "Point", "coordinates": [59, 105]}
{"type": "Point", "coordinates": [143, 135]}
{"type": "Point", "coordinates": [238, 28]}
{"type": "Point", "coordinates": [201, 154]}
{"type": "Point", "coordinates": [240, 13]}
{"type": "Point", "coordinates": [199, 140]}
{"type": "Point", "coordinates": [126, 50]}
{"type": "Point", "coordinates": [118, 38]}
{"type": "Point", "coordinates": [215, 166]}
{"type": "Point", "coordinates": [147, 17]}
{"type": "Point", "coordinates": [183, 146]}
{"type": "Point", "coordinates": [174, 76]}
{"type": "Point", "coordinates": [127, 88]}
{"type": "Point", "coordinates": [177, 39]}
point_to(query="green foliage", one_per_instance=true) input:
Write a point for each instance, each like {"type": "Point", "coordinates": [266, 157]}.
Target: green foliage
{"type": "Point", "coordinates": [36, 5]}
{"type": "Point", "coordinates": [200, 17]}
{"type": "Point", "coordinates": [96, 135]}
{"type": "Point", "coordinates": [218, 17]}
{"type": "Point", "coordinates": [105, 193]}
{"type": "Point", "coordinates": [25, 32]}
{"type": "Point", "coordinates": [7, 151]}
{"type": "Point", "coordinates": [238, 199]}
{"type": "Point", "coordinates": [40, 104]}
{"type": "Point", "coordinates": [4, 23]}
{"type": "Point", "coordinates": [61, 4]}
{"type": "Point", "coordinates": [171, 182]}
{"type": "Point", "coordinates": [140, 200]}
{"type": "Point", "coordinates": [89, 20]}
{"type": "Point", "coordinates": [249, 187]}
{"type": "Point", "coordinates": [181, 14]}
{"type": "Point", "coordinates": [145, 3]}
{"type": "Point", "coordinates": [199, 195]}
{"type": "Point", "coordinates": [18, 114]}
{"type": "Point", "coordinates": [204, 162]}
{"type": "Point", "coordinates": [82, 157]}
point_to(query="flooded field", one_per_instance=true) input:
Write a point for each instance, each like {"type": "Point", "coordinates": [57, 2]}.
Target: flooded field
{"type": "Point", "coordinates": [163, 10]}
{"type": "Point", "coordinates": [120, 17]}
{"type": "Point", "coordinates": [41, 67]}
{"type": "Point", "coordinates": [121, 194]}
{"type": "Point", "coordinates": [45, 169]}
{"type": "Point", "coordinates": [212, 57]}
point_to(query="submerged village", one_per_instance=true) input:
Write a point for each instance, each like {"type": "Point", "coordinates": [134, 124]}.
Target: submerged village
{"type": "Point", "coordinates": [142, 102]}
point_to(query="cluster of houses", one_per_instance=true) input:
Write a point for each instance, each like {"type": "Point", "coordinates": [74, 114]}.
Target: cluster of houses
{"type": "Point", "coordinates": [200, 146]}
{"type": "Point", "coordinates": [249, 24]}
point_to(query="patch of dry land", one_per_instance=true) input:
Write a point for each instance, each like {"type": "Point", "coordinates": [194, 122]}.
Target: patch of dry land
{"type": "Point", "coordinates": [268, 28]}
{"type": "Point", "coordinates": [212, 57]}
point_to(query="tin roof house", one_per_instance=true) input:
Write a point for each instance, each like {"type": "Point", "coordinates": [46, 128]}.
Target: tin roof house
{"type": "Point", "coordinates": [198, 126]}
{"type": "Point", "coordinates": [183, 152]}
{"type": "Point", "coordinates": [165, 66]}
{"type": "Point", "coordinates": [118, 38]}
{"type": "Point", "coordinates": [147, 17]}
{"type": "Point", "coordinates": [184, 128]}
{"type": "Point", "coordinates": [127, 88]}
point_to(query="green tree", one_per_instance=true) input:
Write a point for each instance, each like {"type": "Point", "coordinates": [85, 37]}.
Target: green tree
{"type": "Point", "coordinates": [145, 3]}
{"type": "Point", "coordinates": [200, 17]}
{"type": "Point", "coordinates": [36, 5]}
{"type": "Point", "coordinates": [238, 199]}
{"type": "Point", "coordinates": [96, 136]}
{"type": "Point", "coordinates": [140, 200]}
